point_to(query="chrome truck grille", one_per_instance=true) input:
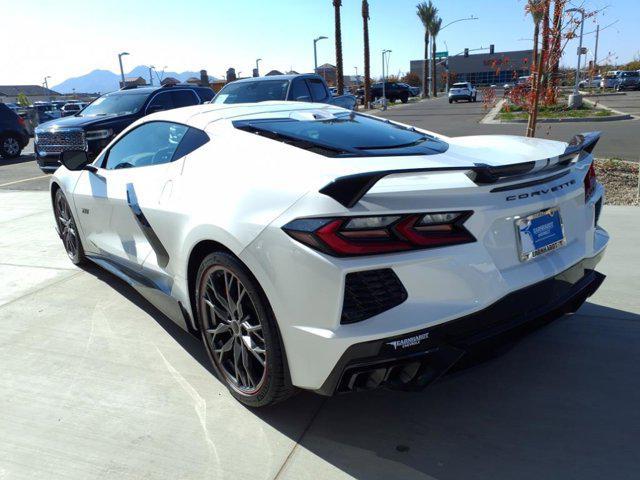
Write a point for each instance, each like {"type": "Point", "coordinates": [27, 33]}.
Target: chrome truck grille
{"type": "Point", "coordinates": [59, 140]}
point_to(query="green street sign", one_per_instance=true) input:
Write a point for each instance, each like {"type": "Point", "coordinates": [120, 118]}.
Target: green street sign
{"type": "Point", "coordinates": [441, 55]}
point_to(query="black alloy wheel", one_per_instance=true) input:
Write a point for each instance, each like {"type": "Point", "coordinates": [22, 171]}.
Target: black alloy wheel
{"type": "Point", "coordinates": [67, 229]}
{"type": "Point", "coordinates": [239, 332]}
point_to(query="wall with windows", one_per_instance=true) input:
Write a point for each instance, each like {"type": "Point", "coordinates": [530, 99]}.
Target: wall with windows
{"type": "Point", "coordinates": [481, 69]}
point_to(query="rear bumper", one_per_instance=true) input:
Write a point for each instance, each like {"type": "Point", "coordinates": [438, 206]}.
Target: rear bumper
{"type": "Point", "coordinates": [414, 360]}
{"type": "Point", "coordinates": [460, 97]}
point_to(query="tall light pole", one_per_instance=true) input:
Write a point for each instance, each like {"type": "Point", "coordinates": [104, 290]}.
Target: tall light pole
{"type": "Point", "coordinates": [357, 80]}
{"type": "Point", "coordinates": [315, 52]}
{"type": "Point", "coordinates": [120, 55]}
{"type": "Point", "coordinates": [258, 60]}
{"type": "Point", "coordinates": [384, 80]}
{"type": "Point", "coordinates": [151, 67]}
{"type": "Point", "coordinates": [46, 83]}
{"type": "Point", "coordinates": [472, 17]}
{"type": "Point", "coordinates": [575, 100]}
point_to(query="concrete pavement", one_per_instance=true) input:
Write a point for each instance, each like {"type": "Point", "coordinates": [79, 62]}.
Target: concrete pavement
{"type": "Point", "coordinates": [97, 384]}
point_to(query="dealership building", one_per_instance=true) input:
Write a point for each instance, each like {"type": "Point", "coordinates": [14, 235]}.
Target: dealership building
{"type": "Point", "coordinates": [482, 68]}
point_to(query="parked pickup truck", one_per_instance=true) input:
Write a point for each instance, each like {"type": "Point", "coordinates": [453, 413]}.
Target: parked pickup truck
{"type": "Point", "coordinates": [298, 88]}
{"type": "Point", "coordinates": [93, 128]}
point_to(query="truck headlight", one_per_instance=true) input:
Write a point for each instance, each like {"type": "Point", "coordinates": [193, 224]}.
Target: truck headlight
{"type": "Point", "coordinates": [99, 134]}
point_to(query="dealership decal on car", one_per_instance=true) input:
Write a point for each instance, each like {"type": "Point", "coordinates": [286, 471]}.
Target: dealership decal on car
{"type": "Point", "coordinates": [408, 342]}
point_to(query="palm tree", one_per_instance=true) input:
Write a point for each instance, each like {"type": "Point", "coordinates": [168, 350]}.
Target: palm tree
{"type": "Point", "coordinates": [339, 72]}
{"type": "Point", "coordinates": [434, 30]}
{"type": "Point", "coordinates": [536, 8]}
{"type": "Point", "coordinates": [426, 12]}
{"type": "Point", "coordinates": [367, 66]}
{"type": "Point", "coordinates": [554, 56]}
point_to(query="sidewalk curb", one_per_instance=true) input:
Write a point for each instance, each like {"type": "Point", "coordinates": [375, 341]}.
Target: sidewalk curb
{"type": "Point", "coordinates": [490, 118]}
{"type": "Point", "coordinates": [604, 107]}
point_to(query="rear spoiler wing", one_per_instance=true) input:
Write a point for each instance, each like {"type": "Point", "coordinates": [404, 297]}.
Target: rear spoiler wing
{"type": "Point", "coordinates": [349, 189]}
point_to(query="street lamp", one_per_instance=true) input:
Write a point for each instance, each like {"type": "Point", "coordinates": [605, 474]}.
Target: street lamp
{"type": "Point", "coordinates": [315, 53]}
{"type": "Point", "coordinates": [46, 83]}
{"type": "Point", "coordinates": [472, 17]}
{"type": "Point", "coordinates": [357, 79]}
{"type": "Point", "coordinates": [151, 67]}
{"type": "Point", "coordinates": [258, 60]}
{"type": "Point", "coordinates": [120, 55]}
{"type": "Point", "coordinates": [384, 80]}
{"type": "Point", "coordinates": [575, 100]}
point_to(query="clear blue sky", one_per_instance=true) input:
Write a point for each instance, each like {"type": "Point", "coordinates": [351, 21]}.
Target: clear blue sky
{"type": "Point", "coordinates": [216, 34]}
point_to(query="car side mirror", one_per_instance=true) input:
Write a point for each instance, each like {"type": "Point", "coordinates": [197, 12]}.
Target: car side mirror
{"type": "Point", "coordinates": [74, 159]}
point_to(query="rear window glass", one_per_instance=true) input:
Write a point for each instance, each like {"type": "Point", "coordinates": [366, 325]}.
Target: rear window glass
{"type": "Point", "coordinates": [344, 134]}
{"type": "Point", "coordinates": [248, 92]}
{"type": "Point", "coordinates": [459, 85]}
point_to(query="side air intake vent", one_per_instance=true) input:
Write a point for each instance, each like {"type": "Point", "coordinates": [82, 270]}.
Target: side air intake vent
{"type": "Point", "coordinates": [369, 293]}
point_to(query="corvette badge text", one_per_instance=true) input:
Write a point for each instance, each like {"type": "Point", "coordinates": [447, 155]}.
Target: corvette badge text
{"type": "Point", "coordinates": [408, 342]}
{"type": "Point", "coordinates": [542, 191]}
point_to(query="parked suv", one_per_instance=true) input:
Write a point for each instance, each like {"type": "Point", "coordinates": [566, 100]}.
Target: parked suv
{"type": "Point", "coordinates": [72, 108]}
{"type": "Point", "coordinates": [628, 81]}
{"type": "Point", "coordinates": [306, 87]}
{"type": "Point", "coordinates": [462, 91]}
{"type": "Point", "coordinates": [13, 133]}
{"type": "Point", "coordinates": [392, 91]}
{"type": "Point", "coordinates": [93, 128]}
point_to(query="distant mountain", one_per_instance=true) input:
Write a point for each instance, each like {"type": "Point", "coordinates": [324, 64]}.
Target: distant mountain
{"type": "Point", "coordinates": [103, 81]}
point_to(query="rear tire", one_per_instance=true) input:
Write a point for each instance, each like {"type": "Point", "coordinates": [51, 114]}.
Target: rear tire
{"type": "Point", "coordinates": [240, 333]}
{"type": "Point", "coordinates": [68, 229]}
{"type": "Point", "coordinates": [10, 146]}
{"type": "Point", "coordinates": [404, 98]}
{"type": "Point", "coordinates": [450, 101]}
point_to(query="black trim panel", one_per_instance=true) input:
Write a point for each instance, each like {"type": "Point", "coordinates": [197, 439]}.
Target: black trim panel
{"type": "Point", "coordinates": [161, 253]}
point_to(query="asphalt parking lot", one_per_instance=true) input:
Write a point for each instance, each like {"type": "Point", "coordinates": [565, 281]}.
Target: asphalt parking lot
{"type": "Point", "coordinates": [95, 383]}
{"type": "Point", "coordinates": [620, 139]}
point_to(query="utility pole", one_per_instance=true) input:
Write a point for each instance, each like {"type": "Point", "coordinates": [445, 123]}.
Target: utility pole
{"type": "Point", "coordinates": [595, 52]}
{"type": "Point", "coordinates": [384, 81]}
{"type": "Point", "coordinates": [151, 67]}
{"type": "Point", "coordinates": [575, 100]}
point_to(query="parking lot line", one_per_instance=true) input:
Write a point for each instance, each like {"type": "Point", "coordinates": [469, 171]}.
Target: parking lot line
{"type": "Point", "coordinates": [23, 180]}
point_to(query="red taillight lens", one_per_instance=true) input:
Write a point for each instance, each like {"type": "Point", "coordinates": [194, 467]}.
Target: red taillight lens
{"type": "Point", "coordinates": [590, 183]}
{"type": "Point", "coordinates": [352, 236]}
{"type": "Point", "coordinates": [21, 121]}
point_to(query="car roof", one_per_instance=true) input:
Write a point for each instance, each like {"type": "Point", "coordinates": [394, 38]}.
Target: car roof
{"type": "Point", "coordinates": [199, 116]}
{"type": "Point", "coordinates": [275, 77]}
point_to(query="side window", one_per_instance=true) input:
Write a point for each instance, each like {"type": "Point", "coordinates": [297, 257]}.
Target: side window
{"type": "Point", "coordinates": [318, 90]}
{"type": "Point", "coordinates": [191, 141]}
{"type": "Point", "coordinates": [160, 102]}
{"type": "Point", "coordinates": [152, 143]}
{"type": "Point", "coordinates": [184, 98]}
{"type": "Point", "coordinates": [206, 94]}
{"type": "Point", "coordinates": [299, 91]}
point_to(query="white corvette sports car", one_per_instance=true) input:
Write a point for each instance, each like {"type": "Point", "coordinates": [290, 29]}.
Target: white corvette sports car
{"type": "Point", "coordinates": [318, 248]}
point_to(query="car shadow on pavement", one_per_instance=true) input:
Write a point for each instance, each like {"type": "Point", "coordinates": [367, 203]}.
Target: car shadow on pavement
{"type": "Point", "coordinates": [561, 403]}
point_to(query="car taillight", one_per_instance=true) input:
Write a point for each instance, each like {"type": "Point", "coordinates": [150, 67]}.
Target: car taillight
{"type": "Point", "coordinates": [590, 183]}
{"type": "Point", "coordinates": [352, 236]}
{"type": "Point", "coordinates": [21, 121]}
